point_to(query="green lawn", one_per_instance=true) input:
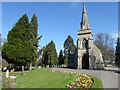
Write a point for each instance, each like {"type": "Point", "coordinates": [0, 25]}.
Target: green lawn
{"type": "Point", "coordinates": [0, 85]}
{"type": "Point", "coordinates": [44, 78]}
{"type": "Point", "coordinates": [97, 83]}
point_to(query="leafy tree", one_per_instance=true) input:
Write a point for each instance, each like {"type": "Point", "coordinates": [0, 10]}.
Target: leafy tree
{"type": "Point", "coordinates": [69, 48]}
{"type": "Point", "coordinates": [61, 58]}
{"type": "Point", "coordinates": [117, 53]}
{"type": "Point", "coordinates": [18, 48]}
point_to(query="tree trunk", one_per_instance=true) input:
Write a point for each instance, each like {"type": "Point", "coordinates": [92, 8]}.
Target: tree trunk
{"type": "Point", "coordinates": [30, 68]}
{"type": "Point", "coordinates": [10, 66]}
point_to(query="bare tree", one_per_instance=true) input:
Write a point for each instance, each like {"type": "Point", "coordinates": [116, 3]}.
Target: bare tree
{"type": "Point", "coordinates": [105, 42]}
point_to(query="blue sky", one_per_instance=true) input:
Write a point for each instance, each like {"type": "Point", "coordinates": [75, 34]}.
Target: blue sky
{"type": "Point", "coordinates": [57, 20]}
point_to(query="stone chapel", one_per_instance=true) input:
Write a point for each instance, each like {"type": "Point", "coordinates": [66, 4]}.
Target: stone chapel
{"type": "Point", "coordinates": [87, 55]}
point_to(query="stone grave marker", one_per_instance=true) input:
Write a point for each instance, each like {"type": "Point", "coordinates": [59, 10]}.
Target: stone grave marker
{"type": "Point", "coordinates": [7, 73]}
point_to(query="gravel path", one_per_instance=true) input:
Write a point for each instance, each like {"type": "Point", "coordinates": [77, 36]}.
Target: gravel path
{"type": "Point", "coordinates": [108, 77]}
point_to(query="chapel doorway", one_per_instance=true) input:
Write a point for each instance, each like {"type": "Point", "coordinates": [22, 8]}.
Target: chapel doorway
{"type": "Point", "coordinates": [85, 62]}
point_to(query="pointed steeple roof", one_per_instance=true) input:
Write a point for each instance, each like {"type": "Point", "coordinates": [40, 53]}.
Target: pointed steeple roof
{"type": "Point", "coordinates": [84, 8]}
{"type": "Point", "coordinates": [84, 22]}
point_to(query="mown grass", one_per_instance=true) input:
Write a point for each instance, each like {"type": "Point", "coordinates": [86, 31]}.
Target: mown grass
{"type": "Point", "coordinates": [0, 85]}
{"type": "Point", "coordinates": [44, 78]}
{"type": "Point", "coordinates": [97, 83]}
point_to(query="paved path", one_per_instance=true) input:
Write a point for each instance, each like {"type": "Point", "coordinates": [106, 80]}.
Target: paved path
{"type": "Point", "coordinates": [108, 77]}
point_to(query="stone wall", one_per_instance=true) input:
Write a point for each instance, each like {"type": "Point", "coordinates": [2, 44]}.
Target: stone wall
{"type": "Point", "coordinates": [99, 59]}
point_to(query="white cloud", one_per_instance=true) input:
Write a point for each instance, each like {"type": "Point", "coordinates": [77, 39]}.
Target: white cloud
{"type": "Point", "coordinates": [115, 34]}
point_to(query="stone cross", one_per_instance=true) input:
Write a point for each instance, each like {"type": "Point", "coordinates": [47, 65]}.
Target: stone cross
{"type": "Point", "coordinates": [7, 73]}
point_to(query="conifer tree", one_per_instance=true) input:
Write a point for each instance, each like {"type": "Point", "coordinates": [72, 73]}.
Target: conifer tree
{"type": "Point", "coordinates": [66, 57]}
{"type": "Point", "coordinates": [60, 58]}
{"type": "Point", "coordinates": [50, 55]}
{"type": "Point", "coordinates": [69, 45]}
{"type": "Point", "coordinates": [69, 48]}
{"type": "Point", "coordinates": [0, 43]}
{"type": "Point", "coordinates": [45, 57]}
{"type": "Point", "coordinates": [18, 49]}
{"type": "Point", "coordinates": [33, 27]}
{"type": "Point", "coordinates": [117, 61]}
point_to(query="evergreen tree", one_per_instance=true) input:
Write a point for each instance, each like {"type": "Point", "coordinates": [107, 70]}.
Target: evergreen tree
{"type": "Point", "coordinates": [0, 43]}
{"type": "Point", "coordinates": [69, 45]}
{"type": "Point", "coordinates": [118, 52]}
{"type": "Point", "coordinates": [69, 48]}
{"type": "Point", "coordinates": [66, 58]}
{"type": "Point", "coordinates": [50, 55]}
{"type": "Point", "coordinates": [33, 27]}
{"type": "Point", "coordinates": [18, 49]}
{"type": "Point", "coordinates": [1, 64]}
{"type": "Point", "coordinates": [40, 56]}
{"type": "Point", "coordinates": [45, 57]}
{"type": "Point", "coordinates": [61, 58]}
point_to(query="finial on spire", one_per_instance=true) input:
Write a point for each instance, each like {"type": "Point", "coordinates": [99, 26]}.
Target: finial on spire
{"type": "Point", "coordinates": [84, 23]}
{"type": "Point", "coordinates": [84, 8]}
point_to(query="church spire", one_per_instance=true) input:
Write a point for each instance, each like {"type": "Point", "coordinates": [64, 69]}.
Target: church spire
{"type": "Point", "coordinates": [84, 8]}
{"type": "Point", "coordinates": [84, 22]}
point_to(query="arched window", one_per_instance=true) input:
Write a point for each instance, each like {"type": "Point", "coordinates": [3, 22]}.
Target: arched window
{"type": "Point", "coordinates": [85, 43]}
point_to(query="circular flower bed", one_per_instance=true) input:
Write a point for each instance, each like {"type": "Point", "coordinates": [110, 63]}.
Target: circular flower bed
{"type": "Point", "coordinates": [82, 81]}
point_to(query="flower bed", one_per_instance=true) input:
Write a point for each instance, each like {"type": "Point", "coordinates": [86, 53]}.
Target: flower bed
{"type": "Point", "coordinates": [82, 81]}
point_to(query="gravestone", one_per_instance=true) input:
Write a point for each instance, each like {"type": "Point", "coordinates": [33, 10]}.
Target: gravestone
{"type": "Point", "coordinates": [47, 66]}
{"type": "Point", "coordinates": [7, 73]}
{"type": "Point", "coordinates": [22, 70]}
{"type": "Point", "coordinates": [5, 68]}
{"type": "Point", "coordinates": [39, 66]}
{"type": "Point", "coordinates": [11, 82]}
{"type": "Point", "coordinates": [12, 70]}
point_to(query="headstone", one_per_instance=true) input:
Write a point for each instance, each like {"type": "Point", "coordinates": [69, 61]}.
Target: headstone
{"type": "Point", "coordinates": [7, 73]}
{"type": "Point", "coordinates": [12, 70]}
{"type": "Point", "coordinates": [22, 70]}
{"type": "Point", "coordinates": [12, 79]}
{"type": "Point", "coordinates": [39, 66]}
{"type": "Point", "coordinates": [4, 68]}
{"type": "Point", "coordinates": [47, 66]}
{"type": "Point", "coordinates": [11, 82]}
